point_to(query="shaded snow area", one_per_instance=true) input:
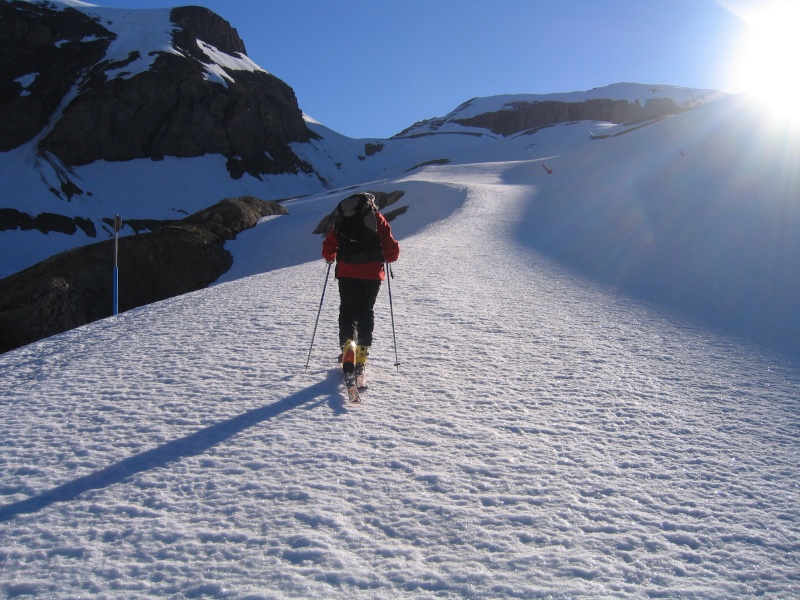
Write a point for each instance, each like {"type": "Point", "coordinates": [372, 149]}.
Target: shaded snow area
{"type": "Point", "coordinates": [544, 435]}
{"type": "Point", "coordinates": [135, 30]}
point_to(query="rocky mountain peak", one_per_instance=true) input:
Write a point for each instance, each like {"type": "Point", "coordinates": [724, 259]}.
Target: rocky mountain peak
{"type": "Point", "coordinates": [209, 27]}
{"type": "Point", "coordinates": [66, 85]}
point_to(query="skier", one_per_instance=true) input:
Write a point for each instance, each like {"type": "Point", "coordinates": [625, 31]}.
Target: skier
{"type": "Point", "coordinates": [360, 242]}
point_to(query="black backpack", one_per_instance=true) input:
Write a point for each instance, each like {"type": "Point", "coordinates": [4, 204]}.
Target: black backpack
{"type": "Point", "coordinates": [356, 230]}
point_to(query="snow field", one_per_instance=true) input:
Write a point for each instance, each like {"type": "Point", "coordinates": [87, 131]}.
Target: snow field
{"type": "Point", "coordinates": [543, 437]}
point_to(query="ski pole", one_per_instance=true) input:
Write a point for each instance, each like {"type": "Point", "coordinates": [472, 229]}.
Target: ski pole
{"type": "Point", "coordinates": [391, 311]}
{"type": "Point", "coordinates": [324, 287]}
{"type": "Point", "coordinates": [664, 131]}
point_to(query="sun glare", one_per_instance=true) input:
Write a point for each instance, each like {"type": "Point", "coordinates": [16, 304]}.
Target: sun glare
{"type": "Point", "coordinates": [767, 64]}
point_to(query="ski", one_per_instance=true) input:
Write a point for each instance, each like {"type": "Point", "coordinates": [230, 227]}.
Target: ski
{"type": "Point", "coordinates": [352, 388]}
{"type": "Point", "coordinates": [354, 375]}
{"type": "Point", "coordinates": [361, 377]}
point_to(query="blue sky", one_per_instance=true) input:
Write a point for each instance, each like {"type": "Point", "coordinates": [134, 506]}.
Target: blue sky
{"type": "Point", "coordinates": [371, 68]}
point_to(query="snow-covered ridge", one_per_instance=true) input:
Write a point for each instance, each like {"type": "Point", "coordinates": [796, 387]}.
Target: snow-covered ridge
{"type": "Point", "coordinates": [684, 98]}
{"type": "Point", "coordinates": [147, 32]}
{"type": "Point", "coordinates": [220, 61]}
{"type": "Point", "coordinates": [71, 3]}
{"type": "Point", "coordinates": [128, 42]}
{"type": "Point", "coordinates": [630, 92]}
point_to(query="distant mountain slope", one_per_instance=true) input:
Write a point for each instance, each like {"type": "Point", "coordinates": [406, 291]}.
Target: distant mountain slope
{"type": "Point", "coordinates": [617, 103]}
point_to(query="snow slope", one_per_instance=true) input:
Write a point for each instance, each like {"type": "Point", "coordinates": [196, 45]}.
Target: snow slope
{"type": "Point", "coordinates": [545, 435]}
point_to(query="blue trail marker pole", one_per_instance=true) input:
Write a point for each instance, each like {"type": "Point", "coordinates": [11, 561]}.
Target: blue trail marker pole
{"type": "Point", "coordinates": [117, 227]}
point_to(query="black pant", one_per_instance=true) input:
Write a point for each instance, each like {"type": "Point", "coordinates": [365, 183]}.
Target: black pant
{"type": "Point", "coordinates": [356, 314]}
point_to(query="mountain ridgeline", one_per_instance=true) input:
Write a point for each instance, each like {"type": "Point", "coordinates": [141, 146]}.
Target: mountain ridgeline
{"type": "Point", "coordinates": [527, 115]}
{"type": "Point", "coordinates": [62, 88]}
{"type": "Point", "coordinates": [511, 115]}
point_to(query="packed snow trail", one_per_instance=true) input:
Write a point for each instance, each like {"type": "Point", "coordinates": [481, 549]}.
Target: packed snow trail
{"type": "Point", "coordinates": [544, 437]}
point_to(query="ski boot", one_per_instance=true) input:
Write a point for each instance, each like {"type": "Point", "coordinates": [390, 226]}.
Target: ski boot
{"type": "Point", "coordinates": [348, 359]}
{"type": "Point", "coordinates": [362, 353]}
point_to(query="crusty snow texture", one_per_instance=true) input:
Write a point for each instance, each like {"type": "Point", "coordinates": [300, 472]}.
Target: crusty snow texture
{"type": "Point", "coordinates": [544, 436]}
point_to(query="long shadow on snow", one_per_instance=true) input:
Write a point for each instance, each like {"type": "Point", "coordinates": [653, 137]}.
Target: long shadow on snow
{"type": "Point", "coordinates": [191, 445]}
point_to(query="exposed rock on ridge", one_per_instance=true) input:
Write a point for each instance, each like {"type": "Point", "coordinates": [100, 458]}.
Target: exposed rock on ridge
{"type": "Point", "coordinates": [513, 114]}
{"type": "Point", "coordinates": [209, 27]}
{"type": "Point", "coordinates": [49, 47]}
{"type": "Point", "coordinates": [11, 219]}
{"type": "Point", "coordinates": [525, 115]}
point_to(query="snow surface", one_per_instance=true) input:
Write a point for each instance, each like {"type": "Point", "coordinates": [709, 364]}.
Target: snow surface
{"type": "Point", "coordinates": [544, 436]}
{"type": "Point", "coordinates": [135, 30]}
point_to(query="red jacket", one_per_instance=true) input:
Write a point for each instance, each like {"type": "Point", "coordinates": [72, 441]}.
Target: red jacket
{"type": "Point", "coordinates": [371, 270]}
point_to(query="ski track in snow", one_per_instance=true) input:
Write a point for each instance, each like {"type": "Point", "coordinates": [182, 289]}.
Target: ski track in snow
{"type": "Point", "coordinates": [543, 437]}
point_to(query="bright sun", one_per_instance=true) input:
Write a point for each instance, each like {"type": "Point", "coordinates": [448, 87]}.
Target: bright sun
{"type": "Point", "coordinates": [768, 63]}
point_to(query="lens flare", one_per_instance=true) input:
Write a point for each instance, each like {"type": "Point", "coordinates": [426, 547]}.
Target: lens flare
{"type": "Point", "coordinates": [767, 61]}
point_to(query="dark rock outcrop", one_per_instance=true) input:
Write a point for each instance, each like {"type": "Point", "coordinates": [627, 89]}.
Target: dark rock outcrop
{"type": "Point", "coordinates": [75, 287]}
{"type": "Point", "coordinates": [11, 219]}
{"type": "Point", "coordinates": [209, 27]}
{"type": "Point", "coordinates": [49, 47]}
{"type": "Point", "coordinates": [526, 115]}
{"type": "Point", "coordinates": [172, 109]}
{"type": "Point", "coordinates": [522, 116]}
